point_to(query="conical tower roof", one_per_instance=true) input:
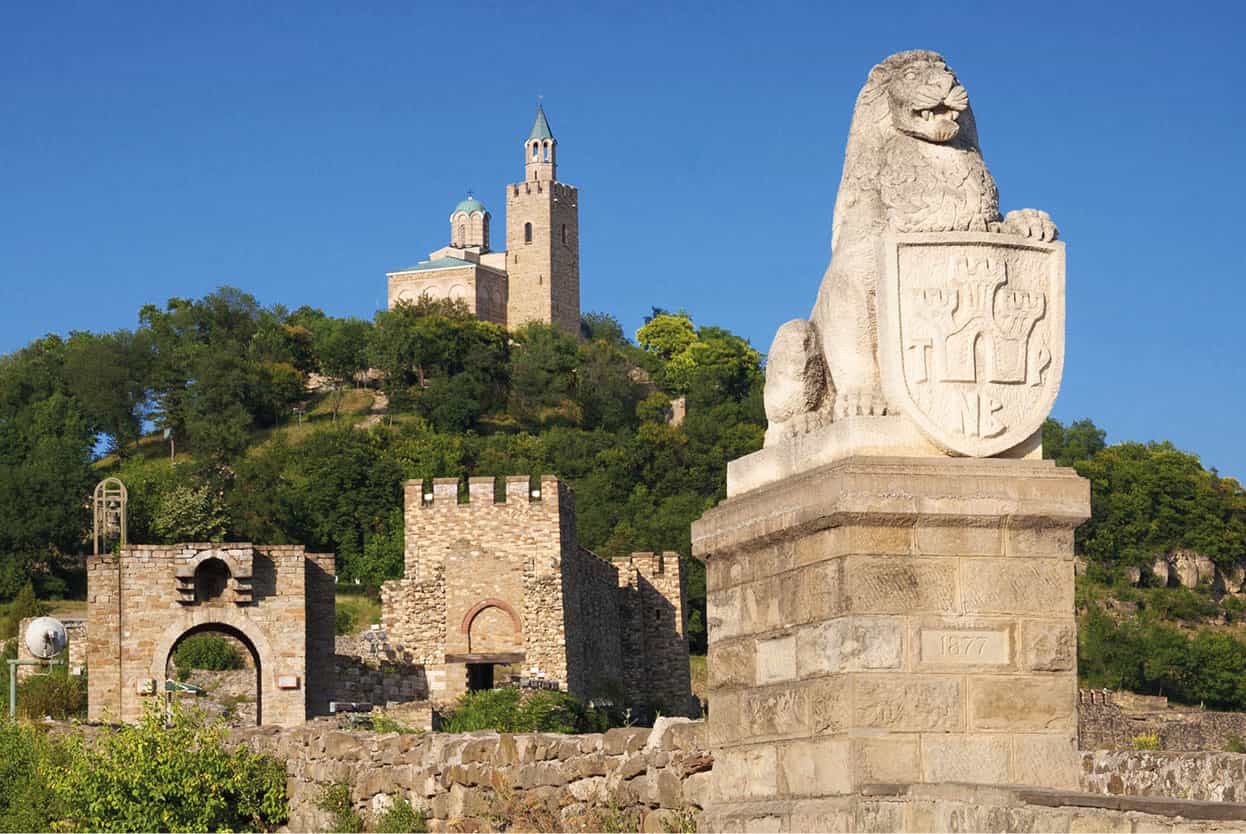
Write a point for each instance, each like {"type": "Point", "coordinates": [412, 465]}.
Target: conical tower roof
{"type": "Point", "coordinates": [540, 128]}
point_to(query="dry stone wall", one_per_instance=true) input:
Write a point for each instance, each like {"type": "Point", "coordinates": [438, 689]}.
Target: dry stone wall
{"type": "Point", "coordinates": [1213, 777]}
{"type": "Point", "coordinates": [475, 781]}
{"type": "Point", "coordinates": [1104, 725]}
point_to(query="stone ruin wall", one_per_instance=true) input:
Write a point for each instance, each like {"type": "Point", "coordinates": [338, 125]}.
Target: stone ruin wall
{"type": "Point", "coordinates": [280, 597]}
{"type": "Point", "coordinates": [474, 567]}
{"type": "Point", "coordinates": [1111, 721]}
{"type": "Point", "coordinates": [468, 781]}
{"type": "Point", "coordinates": [664, 776]}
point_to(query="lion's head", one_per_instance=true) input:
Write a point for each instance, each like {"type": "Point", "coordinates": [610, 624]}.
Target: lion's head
{"type": "Point", "coordinates": [925, 99]}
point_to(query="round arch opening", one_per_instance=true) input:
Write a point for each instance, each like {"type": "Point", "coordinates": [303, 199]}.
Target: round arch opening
{"type": "Point", "coordinates": [228, 631]}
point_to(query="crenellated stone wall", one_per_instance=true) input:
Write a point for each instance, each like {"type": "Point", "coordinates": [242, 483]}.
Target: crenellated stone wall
{"type": "Point", "coordinates": [499, 581]}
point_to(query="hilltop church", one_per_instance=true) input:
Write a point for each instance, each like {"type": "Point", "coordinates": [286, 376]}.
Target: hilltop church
{"type": "Point", "coordinates": [537, 276]}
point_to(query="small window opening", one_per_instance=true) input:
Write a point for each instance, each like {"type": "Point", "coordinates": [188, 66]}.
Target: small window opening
{"type": "Point", "coordinates": [547, 151]}
{"type": "Point", "coordinates": [536, 150]}
{"type": "Point", "coordinates": [527, 233]}
{"type": "Point", "coordinates": [211, 577]}
{"type": "Point", "coordinates": [462, 234]}
{"type": "Point", "coordinates": [564, 232]}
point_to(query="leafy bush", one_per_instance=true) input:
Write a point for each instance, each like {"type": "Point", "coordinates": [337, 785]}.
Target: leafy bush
{"type": "Point", "coordinates": [26, 800]}
{"type": "Point", "coordinates": [1145, 741]}
{"type": "Point", "coordinates": [343, 621]}
{"type": "Point", "coordinates": [1234, 744]}
{"type": "Point", "coordinates": [336, 800]}
{"type": "Point", "coordinates": [382, 723]}
{"type": "Point", "coordinates": [207, 651]}
{"type": "Point", "coordinates": [154, 776]}
{"type": "Point", "coordinates": [513, 710]}
{"type": "Point", "coordinates": [56, 694]}
{"type": "Point", "coordinates": [401, 818]}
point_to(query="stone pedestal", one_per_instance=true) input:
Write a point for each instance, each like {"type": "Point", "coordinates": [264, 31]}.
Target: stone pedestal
{"type": "Point", "coordinates": [891, 620]}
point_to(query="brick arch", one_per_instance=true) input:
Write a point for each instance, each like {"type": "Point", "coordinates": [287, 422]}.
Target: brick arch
{"type": "Point", "coordinates": [492, 602]}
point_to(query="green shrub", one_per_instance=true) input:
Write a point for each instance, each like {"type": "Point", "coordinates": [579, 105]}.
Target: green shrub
{"type": "Point", "coordinates": [1234, 744]}
{"type": "Point", "coordinates": [207, 651]}
{"type": "Point", "coordinates": [26, 799]}
{"type": "Point", "coordinates": [1145, 741]}
{"type": "Point", "coordinates": [401, 818]}
{"type": "Point", "coordinates": [168, 776]}
{"type": "Point", "coordinates": [343, 621]}
{"type": "Point", "coordinates": [57, 695]}
{"type": "Point", "coordinates": [336, 800]}
{"type": "Point", "coordinates": [512, 710]}
{"type": "Point", "coordinates": [382, 723]}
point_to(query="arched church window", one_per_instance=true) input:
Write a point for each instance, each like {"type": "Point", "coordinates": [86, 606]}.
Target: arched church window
{"type": "Point", "coordinates": [462, 234]}
{"type": "Point", "coordinates": [536, 150]}
{"type": "Point", "coordinates": [547, 151]}
{"type": "Point", "coordinates": [527, 233]}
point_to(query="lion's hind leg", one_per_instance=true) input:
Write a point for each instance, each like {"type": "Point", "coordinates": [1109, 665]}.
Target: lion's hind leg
{"type": "Point", "coordinates": [797, 393]}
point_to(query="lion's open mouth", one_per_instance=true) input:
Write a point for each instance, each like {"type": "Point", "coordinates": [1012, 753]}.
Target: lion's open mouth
{"type": "Point", "coordinates": [938, 112]}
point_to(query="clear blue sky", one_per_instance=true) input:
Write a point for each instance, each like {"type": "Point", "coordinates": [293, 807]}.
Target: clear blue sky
{"type": "Point", "coordinates": [301, 150]}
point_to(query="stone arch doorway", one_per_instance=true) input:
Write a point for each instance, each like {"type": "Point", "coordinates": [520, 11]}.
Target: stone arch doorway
{"type": "Point", "coordinates": [494, 637]}
{"type": "Point", "coordinates": [221, 629]}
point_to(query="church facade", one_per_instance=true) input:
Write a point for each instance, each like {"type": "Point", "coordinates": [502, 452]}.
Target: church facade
{"type": "Point", "coordinates": [537, 277]}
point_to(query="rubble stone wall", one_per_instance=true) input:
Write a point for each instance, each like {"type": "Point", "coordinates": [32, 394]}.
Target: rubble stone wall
{"type": "Point", "coordinates": [568, 782]}
{"type": "Point", "coordinates": [1213, 777]}
{"type": "Point", "coordinates": [1104, 725]}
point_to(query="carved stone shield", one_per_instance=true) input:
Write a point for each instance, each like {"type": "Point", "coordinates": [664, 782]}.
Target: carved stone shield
{"type": "Point", "coordinates": [971, 335]}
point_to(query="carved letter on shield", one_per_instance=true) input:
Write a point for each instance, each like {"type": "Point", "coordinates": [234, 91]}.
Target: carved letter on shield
{"type": "Point", "coordinates": [971, 335]}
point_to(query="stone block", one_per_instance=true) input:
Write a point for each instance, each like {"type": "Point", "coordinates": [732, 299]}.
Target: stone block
{"type": "Point", "coordinates": [854, 540]}
{"type": "Point", "coordinates": [904, 703]}
{"type": "Point", "coordinates": [1039, 542]}
{"type": "Point", "coordinates": [899, 585]}
{"type": "Point", "coordinates": [765, 603]}
{"type": "Point", "coordinates": [958, 540]}
{"type": "Point", "coordinates": [962, 644]}
{"type": "Point", "coordinates": [966, 758]}
{"type": "Point", "coordinates": [1049, 646]}
{"type": "Point", "coordinates": [819, 592]}
{"type": "Point", "coordinates": [886, 760]}
{"type": "Point", "coordinates": [1017, 586]}
{"type": "Point", "coordinates": [830, 707]}
{"type": "Point", "coordinates": [816, 767]}
{"type": "Point", "coordinates": [1023, 703]}
{"type": "Point", "coordinates": [1087, 822]}
{"type": "Point", "coordinates": [742, 773]}
{"type": "Point", "coordinates": [850, 644]}
{"type": "Point", "coordinates": [724, 612]}
{"type": "Point", "coordinates": [732, 663]}
{"type": "Point", "coordinates": [776, 659]}
{"type": "Point", "coordinates": [1046, 760]}
{"type": "Point", "coordinates": [776, 711]}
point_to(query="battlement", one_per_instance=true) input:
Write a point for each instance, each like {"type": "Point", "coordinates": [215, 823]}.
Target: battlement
{"type": "Point", "coordinates": [560, 190]}
{"type": "Point", "coordinates": [650, 564]}
{"type": "Point", "coordinates": [519, 490]}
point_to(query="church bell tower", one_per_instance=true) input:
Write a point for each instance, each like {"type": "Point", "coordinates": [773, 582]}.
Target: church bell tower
{"type": "Point", "coordinates": [543, 238]}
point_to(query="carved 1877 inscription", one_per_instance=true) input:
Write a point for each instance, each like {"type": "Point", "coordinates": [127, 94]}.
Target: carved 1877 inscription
{"type": "Point", "coordinates": [971, 646]}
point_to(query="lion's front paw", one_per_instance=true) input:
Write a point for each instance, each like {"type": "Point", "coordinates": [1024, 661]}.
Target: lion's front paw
{"type": "Point", "coordinates": [866, 401]}
{"type": "Point", "coordinates": [1030, 223]}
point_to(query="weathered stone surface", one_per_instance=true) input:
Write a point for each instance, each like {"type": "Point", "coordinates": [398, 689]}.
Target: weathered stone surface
{"type": "Point", "coordinates": [962, 644]}
{"type": "Point", "coordinates": [901, 585]}
{"type": "Point", "coordinates": [1017, 586]}
{"type": "Point", "coordinates": [883, 760]}
{"type": "Point", "coordinates": [901, 702]}
{"type": "Point", "coordinates": [1046, 760]}
{"type": "Point", "coordinates": [967, 758]}
{"type": "Point", "coordinates": [1049, 646]}
{"type": "Point", "coordinates": [776, 659]}
{"type": "Point", "coordinates": [816, 767]}
{"type": "Point", "coordinates": [732, 663]}
{"type": "Point", "coordinates": [850, 644]}
{"type": "Point", "coordinates": [746, 772]}
{"type": "Point", "coordinates": [1023, 703]}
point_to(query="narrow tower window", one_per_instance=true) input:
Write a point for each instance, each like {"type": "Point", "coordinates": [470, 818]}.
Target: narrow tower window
{"type": "Point", "coordinates": [527, 233]}
{"type": "Point", "coordinates": [536, 150]}
{"type": "Point", "coordinates": [462, 234]}
{"type": "Point", "coordinates": [547, 151]}
{"type": "Point", "coordinates": [564, 232]}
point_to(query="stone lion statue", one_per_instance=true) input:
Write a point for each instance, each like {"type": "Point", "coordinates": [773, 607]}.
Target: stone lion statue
{"type": "Point", "coordinates": [912, 165]}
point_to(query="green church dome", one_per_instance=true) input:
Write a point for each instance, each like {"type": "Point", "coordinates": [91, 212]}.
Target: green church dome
{"type": "Point", "coordinates": [470, 205]}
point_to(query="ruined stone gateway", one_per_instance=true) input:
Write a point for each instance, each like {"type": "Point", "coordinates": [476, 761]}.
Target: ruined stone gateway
{"type": "Point", "coordinates": [143, 600]}
{"type": "Point", "coordinates": [500, 583]}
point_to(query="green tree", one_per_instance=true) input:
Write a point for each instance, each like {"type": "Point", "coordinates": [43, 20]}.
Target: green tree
{"type": "Point", "coordinates": [342, 349]}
